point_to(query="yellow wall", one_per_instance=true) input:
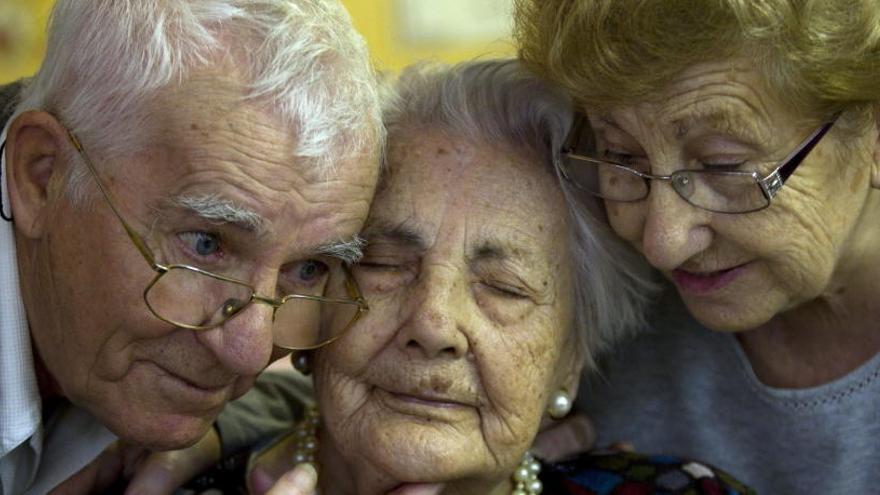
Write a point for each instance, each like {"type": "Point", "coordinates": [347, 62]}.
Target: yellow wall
{"type": "Point", "coordinates": [22, 28]}
{"type": "Point", "coordinates": [22, 36]}
{"type": "Point", "coordinates": [375, 19]}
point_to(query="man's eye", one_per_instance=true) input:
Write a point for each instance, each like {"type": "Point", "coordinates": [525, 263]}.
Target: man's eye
{"type": "Point", "coordinates": [310, 271]}
{"type": "Point", "coordinates": [201, 243]}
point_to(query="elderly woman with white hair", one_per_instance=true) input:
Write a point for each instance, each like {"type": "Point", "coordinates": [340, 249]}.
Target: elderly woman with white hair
{"type": "Point", "coordinates": [490, 289]}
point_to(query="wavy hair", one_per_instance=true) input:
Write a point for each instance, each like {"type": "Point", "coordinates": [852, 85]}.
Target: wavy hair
{"type": "Point", "coordinates": [821, 56]}
{"type": "Point", "coordinates": [108, 60]}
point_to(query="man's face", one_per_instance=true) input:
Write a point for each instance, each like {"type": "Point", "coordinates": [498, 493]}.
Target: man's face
{"type": "Point", "coordinates": [220, 190]}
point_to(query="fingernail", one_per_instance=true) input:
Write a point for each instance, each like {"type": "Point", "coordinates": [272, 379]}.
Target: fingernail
{"type": "Point", "coordinates": [304, 476]}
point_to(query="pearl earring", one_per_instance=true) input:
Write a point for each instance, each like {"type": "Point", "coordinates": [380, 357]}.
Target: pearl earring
{"type": "Point", "coordinates": [560, 404]}
{"type": "Point", "coordinates": [302, 362]}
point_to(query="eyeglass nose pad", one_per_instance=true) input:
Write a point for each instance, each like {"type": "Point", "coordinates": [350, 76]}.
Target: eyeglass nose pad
{"type": "Point", "coordinates": [683, 185]}
{"type": "Point", "coordinates": [232, 306]}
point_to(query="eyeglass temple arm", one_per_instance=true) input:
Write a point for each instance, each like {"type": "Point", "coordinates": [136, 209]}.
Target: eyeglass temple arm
{"type": "Point", "coordinates": [139, 243]}
{"type": "Point", "coordinates": [798, 155]}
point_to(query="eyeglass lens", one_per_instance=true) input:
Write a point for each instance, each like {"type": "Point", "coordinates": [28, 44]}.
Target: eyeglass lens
{"type": "Point", "coordinates": [190, 298]}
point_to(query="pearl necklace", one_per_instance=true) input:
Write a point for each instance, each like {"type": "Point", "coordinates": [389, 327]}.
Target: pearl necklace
{"type": "Point", "coordinates": [525, 477]}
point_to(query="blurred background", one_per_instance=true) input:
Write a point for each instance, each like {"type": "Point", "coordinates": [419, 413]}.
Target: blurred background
{"type": "Point", "coordinates": [398, 32]}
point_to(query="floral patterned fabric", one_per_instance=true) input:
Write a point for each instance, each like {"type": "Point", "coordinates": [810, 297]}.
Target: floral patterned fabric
{"type": "Point", "coordinates": [624, 473]}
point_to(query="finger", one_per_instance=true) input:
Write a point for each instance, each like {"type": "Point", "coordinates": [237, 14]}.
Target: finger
{"type": "Point", "coordinates": [96, 476]}
{"type": "Point", "coordinates": [161, 473]}
{"type": "Point", "coordinates": [419, 489]}
{"type": "Point", "coordinates": [570, 436]}
{"type": "Point", "coordinates": [302, 480]}
{"type": "Point", "coordinates": [623, 446]}
{"type": "Point", "coordinates": [260, 481]}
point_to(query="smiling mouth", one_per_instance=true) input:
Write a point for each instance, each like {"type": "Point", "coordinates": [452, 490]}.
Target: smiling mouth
{"type": "Point", "coordinates": [699, 283]}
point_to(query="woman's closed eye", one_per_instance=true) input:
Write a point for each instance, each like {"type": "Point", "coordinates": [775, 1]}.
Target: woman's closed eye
{"type": "Point", "coordinates": [724, 164]}
{"type": "Point", "coordinates": [634, 161]}
{"type": "Point", "coordinates": [506, 290]}
{"type": "Point", "coordinates": [382, 273]}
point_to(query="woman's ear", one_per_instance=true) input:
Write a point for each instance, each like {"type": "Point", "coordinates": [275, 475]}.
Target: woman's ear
{"type": "Point", "coordinates": [35, 169]}
{"type": "Point", "coordinates": [571, 379]}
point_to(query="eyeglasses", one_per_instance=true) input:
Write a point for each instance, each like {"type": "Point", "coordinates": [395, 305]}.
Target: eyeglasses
{"type": "Point", "coordinates": [719, 191]}
{"type": "Point", "coordinates": [189, 297]}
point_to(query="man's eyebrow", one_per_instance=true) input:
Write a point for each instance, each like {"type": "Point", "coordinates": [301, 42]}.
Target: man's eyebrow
{"type": "Point", "coordinates": [404, 233]}
{"type": "Point", "coordinates": [220, 210]}
{"type": "Point", "coordinates": [350, 251]}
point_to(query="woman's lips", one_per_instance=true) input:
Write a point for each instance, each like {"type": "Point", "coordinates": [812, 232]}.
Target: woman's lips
{"type": "Point", "coordinates": [424, 406]}
{"type": "Point", "coordinates": [699, 283]}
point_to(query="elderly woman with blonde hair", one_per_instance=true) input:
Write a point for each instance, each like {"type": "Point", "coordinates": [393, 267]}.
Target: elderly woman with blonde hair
{"type": "Point", "coordinates": [736, 146]}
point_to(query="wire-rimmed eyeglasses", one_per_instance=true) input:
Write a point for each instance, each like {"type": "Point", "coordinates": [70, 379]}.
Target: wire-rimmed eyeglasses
{"type": "Point", "coordinates": [719, 191]}
{"type": "Point", "coordinates": [190, 297]}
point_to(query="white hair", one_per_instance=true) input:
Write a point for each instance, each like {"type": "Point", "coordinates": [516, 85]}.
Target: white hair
{"type": "Point", "coordinates": [107, 60]}
{"type": "Point", "coordinates": [499, 102]}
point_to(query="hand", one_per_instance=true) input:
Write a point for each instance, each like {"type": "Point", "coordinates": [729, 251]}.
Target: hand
{"type": "Point", "coordinates": [570, 436]}
{"type": "Point", "coordinates": [267, 476]}
{"type": "Point", "coordinates": [160, 473]}
{"type": "Point", "coordinates": [99, 475]}
{"type": "Point", "coordinates": [151, 473]}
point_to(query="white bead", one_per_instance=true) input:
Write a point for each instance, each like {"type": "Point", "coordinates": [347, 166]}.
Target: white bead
{"type": "Point", "coordinates": [534, 467]}
{"type": "Point", "coordinates": [560, 404]}
{"type": "Point", "coordinates": [521, 474]}
{"type": "Point", "coordinates": [535, 486]}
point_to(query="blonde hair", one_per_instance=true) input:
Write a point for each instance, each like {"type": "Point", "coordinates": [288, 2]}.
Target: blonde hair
{"type": "Point", "coordinates": [821, 56]}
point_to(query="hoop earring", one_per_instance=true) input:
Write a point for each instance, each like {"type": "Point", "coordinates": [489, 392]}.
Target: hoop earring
{"type": "Point", "coordinates": [560, 404]}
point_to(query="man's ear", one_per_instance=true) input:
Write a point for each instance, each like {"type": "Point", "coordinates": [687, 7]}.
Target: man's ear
{"type": "Point", "coordinates": [35, 169]}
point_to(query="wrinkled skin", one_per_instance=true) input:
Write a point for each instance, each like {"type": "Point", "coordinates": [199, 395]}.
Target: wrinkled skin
{"type": "Point", "coordinates": [467, 274]}
{"type": "Point", "coordinates": [151, 383]}
{"type": "Point", "coordinates": [805, 270]}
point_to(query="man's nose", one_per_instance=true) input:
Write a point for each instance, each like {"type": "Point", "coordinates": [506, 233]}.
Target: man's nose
{"type": "Point", "coordinates": [674, 230]}
{"type": "Point", "coordinates": [243, 343]}
{"type": "Point", "coordinates": [434, 326]}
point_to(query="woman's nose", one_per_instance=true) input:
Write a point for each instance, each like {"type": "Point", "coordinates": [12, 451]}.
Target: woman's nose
{"type": "Point", "coordinates": [433, 328]}
{"type": "Point", "coordinates": [673, 230]}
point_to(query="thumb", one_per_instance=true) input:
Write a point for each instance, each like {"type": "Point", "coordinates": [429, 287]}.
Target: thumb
{"type": "Point", "coordinates": [301, 480]}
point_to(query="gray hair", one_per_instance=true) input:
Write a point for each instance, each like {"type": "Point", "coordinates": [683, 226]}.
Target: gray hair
{"type": "Point", "coordinates": [107, 60]}
{"type": "Point", "coordinates": [498, 101]}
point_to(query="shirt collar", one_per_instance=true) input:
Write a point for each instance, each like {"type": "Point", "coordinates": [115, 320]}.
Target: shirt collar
{"type": "Point", "coordinates": [20, 402]}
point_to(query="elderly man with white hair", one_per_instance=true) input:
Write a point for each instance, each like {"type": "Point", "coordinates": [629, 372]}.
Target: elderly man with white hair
{"type": "Point", "coordinates": [183, 182]}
